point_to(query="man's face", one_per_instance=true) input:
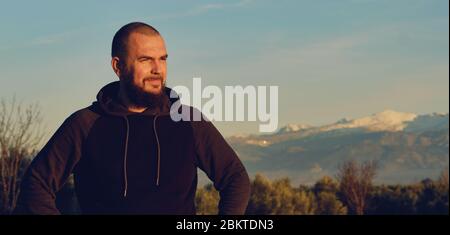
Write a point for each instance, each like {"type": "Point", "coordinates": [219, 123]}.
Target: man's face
{"type": "Point", "coordinates": [145, 65]}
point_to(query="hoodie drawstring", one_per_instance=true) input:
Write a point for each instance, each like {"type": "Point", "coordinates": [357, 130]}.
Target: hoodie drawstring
{"type": "Point", "coordinates": [125, 158]}
{"type": "Point", "coordinates": [159, 151]}
{"type": "Point", "coordinates": [125, 174]}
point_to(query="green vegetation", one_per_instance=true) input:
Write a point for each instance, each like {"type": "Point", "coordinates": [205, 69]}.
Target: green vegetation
{"type": "Point", "coordinates": [326, 198]}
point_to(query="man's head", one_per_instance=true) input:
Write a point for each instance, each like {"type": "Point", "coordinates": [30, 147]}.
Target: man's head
{"type": "Point", "coordinates": [139, 60]}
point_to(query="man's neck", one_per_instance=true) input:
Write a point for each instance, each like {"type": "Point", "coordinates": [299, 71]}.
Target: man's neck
{"type": "Point", "coordinates": [123, 97]}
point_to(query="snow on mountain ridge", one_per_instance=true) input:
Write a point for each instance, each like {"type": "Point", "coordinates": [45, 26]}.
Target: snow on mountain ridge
{"type": "Point", "coordinates": [387, 120]}
{"type": "Point", "coordinates": [293, 128]}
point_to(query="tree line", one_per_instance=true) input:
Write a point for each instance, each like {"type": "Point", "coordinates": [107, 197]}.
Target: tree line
{"type": "Point", "coordinates": [330, 196]}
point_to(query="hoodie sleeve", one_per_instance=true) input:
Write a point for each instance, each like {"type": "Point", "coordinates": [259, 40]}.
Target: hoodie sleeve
{"type": "Point", "coordinates": [50, 169]}
{"type": "Point", "coordinates": [218, 160]}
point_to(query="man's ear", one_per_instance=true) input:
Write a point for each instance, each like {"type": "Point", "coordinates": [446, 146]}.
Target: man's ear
{"type": "Point", "coordinates": [116, 65]}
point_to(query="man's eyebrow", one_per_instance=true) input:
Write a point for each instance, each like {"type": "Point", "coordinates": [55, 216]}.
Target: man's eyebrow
{"type": "Point", "coordinates": [145, 57]}
{"type": "Point", "coordinates": [150, 57]}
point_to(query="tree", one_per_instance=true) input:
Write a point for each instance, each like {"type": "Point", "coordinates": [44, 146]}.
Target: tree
{"type": "Point", "coordinates": [260, 197]}
{"type": "Point", "coordinates": [207, 200]}
{"type": "Point", "coordinates": [434, 196]}
{"type": "Point", "coordinates": [394, 199]}
{"type": "Point", "coordinates": [279, 198]}
{"type": "Point", "coordinates": [326, 184]}
{"type": "Point", "coordinates": [443, 188]}
{"type": "Point", "coordinates": [20, 134]}
{"type": "Point", "coordinates": [355, 184]}
{"type": "Point", "coordinates": [289, 201]}
{"type": "Point", "coordinates": [304, 203]}
{"type": "Point", "coordinates": [327, 202]}
{"type": "Point", "coordinates": [443, 180]}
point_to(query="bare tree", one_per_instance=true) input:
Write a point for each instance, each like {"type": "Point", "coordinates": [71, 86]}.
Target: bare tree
{"type": "Point", "coordinates": [20, 134]}
{"type": "Point", "coordinates": [443, 179]}
{"type": "Point", "coordinates": [355, 183]}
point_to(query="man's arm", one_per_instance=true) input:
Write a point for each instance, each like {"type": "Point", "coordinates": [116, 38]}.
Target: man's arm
{"type": "Point", "coordinates": [218, 160]}
{"type": "Point", "coordinates": [50, 169]}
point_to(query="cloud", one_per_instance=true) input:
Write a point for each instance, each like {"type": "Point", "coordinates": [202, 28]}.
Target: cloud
{"type": "Point", "coordinates": [316, 169]}
{"type": "Point", "coordinates": [218, 6]}
{"type": "Point", "coordinates": [49, 39]}
{"type": "Point", "coordinates": [202, 9]}
{"type": "Point", "coordinates": [338, 53]}
{"type": "Point", "coordinates": [38, 41]}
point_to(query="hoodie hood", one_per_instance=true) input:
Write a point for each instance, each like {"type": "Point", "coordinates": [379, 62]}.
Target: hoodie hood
{"type": "Point", "coordinates": [108, 102]}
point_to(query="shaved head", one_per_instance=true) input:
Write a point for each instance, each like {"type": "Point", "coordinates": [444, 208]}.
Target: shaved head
{"type": "Point", "coordinates": [120, 41]}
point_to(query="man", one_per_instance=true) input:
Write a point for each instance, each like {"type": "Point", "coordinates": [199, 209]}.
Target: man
{"type": "Point", "coordinates": [127, 155]}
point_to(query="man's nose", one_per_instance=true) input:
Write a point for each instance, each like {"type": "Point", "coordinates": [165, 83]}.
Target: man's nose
{"type": "Point", "coordinates": [156, 67]}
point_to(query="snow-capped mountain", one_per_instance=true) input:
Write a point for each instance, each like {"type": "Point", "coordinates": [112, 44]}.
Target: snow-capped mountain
{"type": "Point", "coordinates": [294, 127]}
{"type": "Point", "coordinates": [385, 121]}
{"type": "Point", "coordinates": [428, 122]}
{"type": "Point", "coordinates": [408, 146]}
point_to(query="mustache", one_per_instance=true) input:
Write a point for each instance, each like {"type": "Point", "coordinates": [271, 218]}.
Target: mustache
{"type": "Point", "coordinates": [153, 78]}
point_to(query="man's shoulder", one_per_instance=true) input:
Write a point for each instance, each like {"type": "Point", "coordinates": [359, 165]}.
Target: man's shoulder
{"type": "Point", "coordinates": [188, 113]}
{"type": "Point", "coordinates": [82, 118]}
{"type": "Point", "coordinates": [201, 125]}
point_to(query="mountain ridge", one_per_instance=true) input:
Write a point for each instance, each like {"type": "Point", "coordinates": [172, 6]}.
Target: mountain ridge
{"type": "Point", "coordinates": [408, 147]}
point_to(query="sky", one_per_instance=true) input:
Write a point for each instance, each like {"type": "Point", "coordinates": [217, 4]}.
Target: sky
{"type": "Point", "coordinates": [330, 59]}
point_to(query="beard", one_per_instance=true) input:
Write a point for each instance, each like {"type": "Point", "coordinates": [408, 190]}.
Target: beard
{"type": "Point", "coordinates": [141, 98]}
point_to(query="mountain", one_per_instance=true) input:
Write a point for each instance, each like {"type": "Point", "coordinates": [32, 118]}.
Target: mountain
{"type": "Point", "coordinates": [408, 147]}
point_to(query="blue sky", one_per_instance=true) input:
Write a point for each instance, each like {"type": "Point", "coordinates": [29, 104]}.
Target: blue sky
{"type": "Point", "coordinates": [331, 59]}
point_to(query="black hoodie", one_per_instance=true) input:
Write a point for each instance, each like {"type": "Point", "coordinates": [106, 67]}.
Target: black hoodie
{"type": "Point", "coordinates": [133, 163]}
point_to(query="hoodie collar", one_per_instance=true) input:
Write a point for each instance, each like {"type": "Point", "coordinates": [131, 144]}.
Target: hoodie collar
{"type": "Point", "coordinates": [108, 102]}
